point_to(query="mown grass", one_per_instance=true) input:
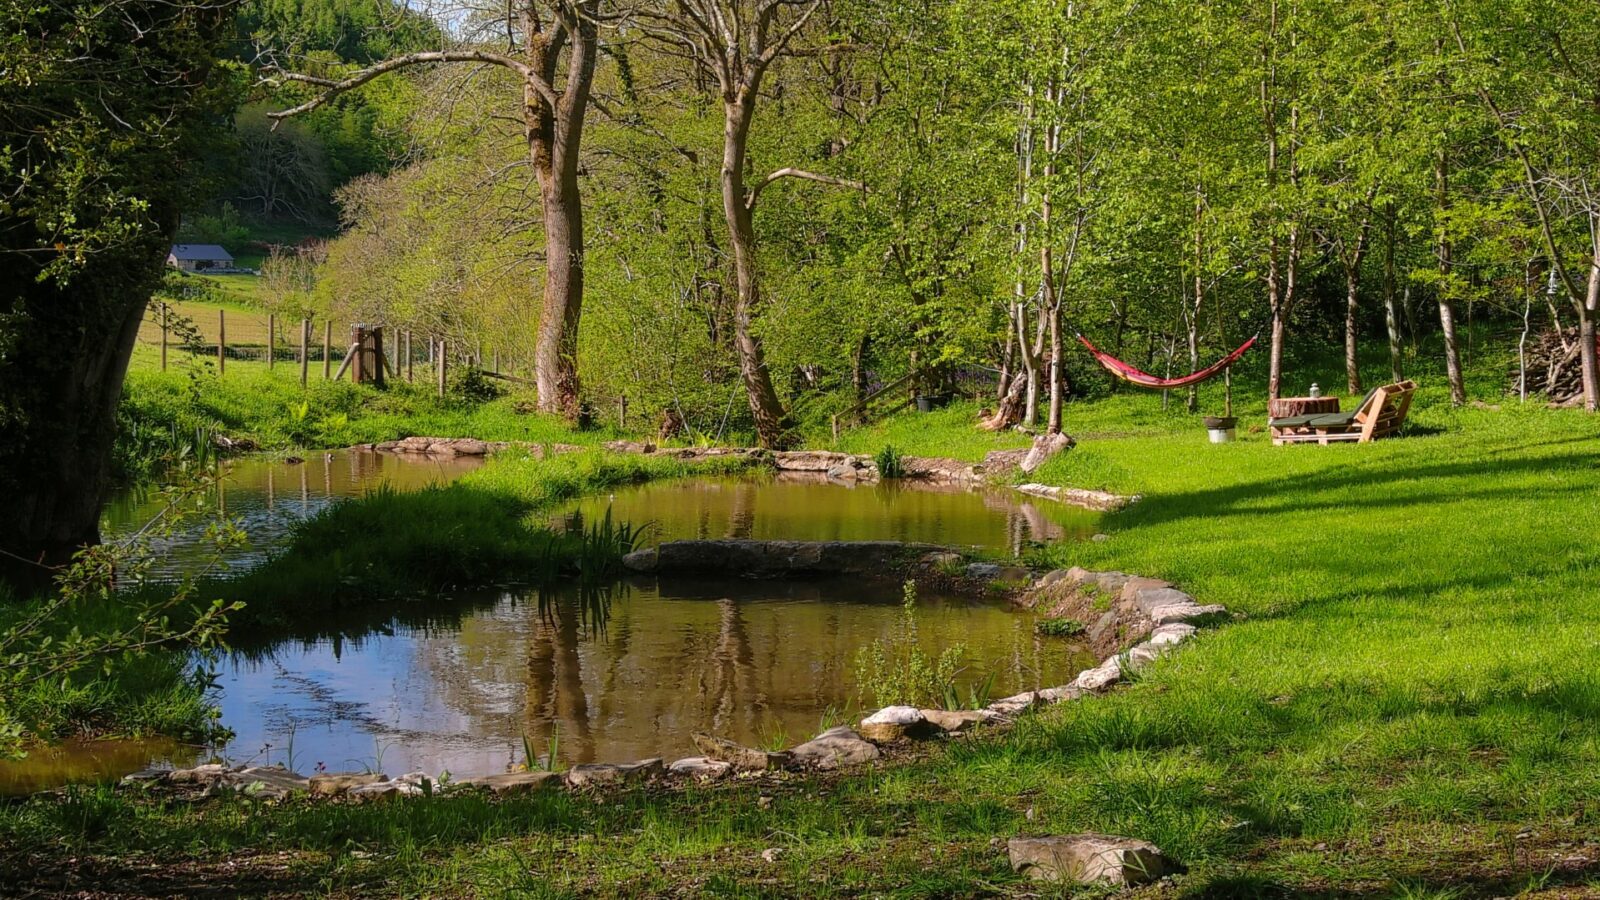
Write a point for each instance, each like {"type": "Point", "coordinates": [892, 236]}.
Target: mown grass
{"type": "Point", "coordinates": [1406, 705]}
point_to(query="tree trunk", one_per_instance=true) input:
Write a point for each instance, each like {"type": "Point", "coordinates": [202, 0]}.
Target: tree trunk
{"type": "Point", "coordinates": [765, 408]}
{"type": "Point", "coordinates": [1391, 313]}
{"type": "Point", "coordinates": [1447, 309]}
{"type": "Point", "coordinates": [59, 389]}
{"type": "Point", "coordinates": [1352, 367]}
{"type": "Point", "coordinates": [1587, 353]}
{"type": "Point", "coordinates": [554, 135]}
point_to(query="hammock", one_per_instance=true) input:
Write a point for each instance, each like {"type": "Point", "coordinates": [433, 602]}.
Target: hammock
{"type": "Point", "coordinates": [1145, 380]}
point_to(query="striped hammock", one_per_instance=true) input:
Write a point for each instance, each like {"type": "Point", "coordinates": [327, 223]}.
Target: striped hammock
{"type": "Point", "coordinates": [1145, 380]}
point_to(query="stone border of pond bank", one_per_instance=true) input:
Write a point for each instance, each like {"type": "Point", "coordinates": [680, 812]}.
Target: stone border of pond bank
{"type": "Point", "coordinates": [1141, 620]}
{"type": "Point", "coordinates": [842, 468]}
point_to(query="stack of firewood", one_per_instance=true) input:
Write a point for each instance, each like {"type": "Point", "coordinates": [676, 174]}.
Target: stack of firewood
{"type": "Point", "coordinates": [1553, 367]}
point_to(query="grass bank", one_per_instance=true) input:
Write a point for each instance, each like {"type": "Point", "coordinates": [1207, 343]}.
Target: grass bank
{"type": "Point", "coordinates": [1406, 706]}
{"type": "Point", "coordinates": [267, 408]}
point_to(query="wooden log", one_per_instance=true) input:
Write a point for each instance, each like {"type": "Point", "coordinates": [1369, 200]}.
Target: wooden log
{"type": "Point", "coordinates": [349, 356]}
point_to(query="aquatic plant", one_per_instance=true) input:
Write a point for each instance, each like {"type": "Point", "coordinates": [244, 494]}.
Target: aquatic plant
{"type": "Point", "coordinates": [1058, 627]}
{"type": "Point", "coordinates": [890, 463]}
{"type": "Point", "coordinates": [896, 670]}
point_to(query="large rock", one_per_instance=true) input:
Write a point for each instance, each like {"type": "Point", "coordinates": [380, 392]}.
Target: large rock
{"type": "Point", "coordinates": [383, 791]}
{"type": "Point", "coordinates": [894, 723]}
{"type": "Point", "coordinates": [515, 782]}
{"type": "Point", "coordinates": [816, 461]}
{"type": "Point", "coordinates": [835, 748]}
{"type": "Point", "coordinates": [335, 784]}
{"type": "Point", "coordinates": [740, 757]}
{"type": "Point", "coordinates": [776, 559]}
{"type": "Point", "coordinates": [1100, 677]}
{"type": "Point", "coordinates": [607, 773]}
{"type": "Point", "coordinates": [938, 468]}
{"type": "Point", "coordinates": [269, 782]}
{"type": "Point", "coordinates": [1015, 705]}
{"type": "Point", "coordinates": [1186, 613]}
{"type": "Point", "coordinates": [1044, 447]}
{"type": "Point", "coordinates": [954, 721]}
{"type": "Point", "coordinates": [702, 768]}
{"type": "Point", "coordinates": [1089, 858]}
{"type": "Point", "coordinates": [205, 774]}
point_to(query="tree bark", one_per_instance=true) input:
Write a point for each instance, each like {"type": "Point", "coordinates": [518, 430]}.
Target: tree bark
{"type": "Point", "coordinates": [1588, 354]}
{"type": "Point", "coordinates": [1447, 308]}
{"type": "Point", "coordinates": [1391, 313]}
{"type": "Point", "coordinates": [765, 408]}
{"type": "Point", "coordinates": [555, 134]}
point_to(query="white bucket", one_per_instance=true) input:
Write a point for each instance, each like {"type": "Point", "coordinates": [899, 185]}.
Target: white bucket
{"type": "Point", "coordinates": [1220, 435]}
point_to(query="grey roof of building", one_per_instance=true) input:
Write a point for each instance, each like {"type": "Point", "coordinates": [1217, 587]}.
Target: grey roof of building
{"type": "Point", "coordinates": [200, 251]}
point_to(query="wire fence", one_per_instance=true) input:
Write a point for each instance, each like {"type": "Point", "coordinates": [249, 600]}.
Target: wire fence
{"type": "Point", "coordinates": [322, 348]}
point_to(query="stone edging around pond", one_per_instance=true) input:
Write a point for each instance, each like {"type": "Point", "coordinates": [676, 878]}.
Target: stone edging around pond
{"type": "Point", "coordinates": [846, 468]}
{"type": "Point", "coordinates": [1154, 612]}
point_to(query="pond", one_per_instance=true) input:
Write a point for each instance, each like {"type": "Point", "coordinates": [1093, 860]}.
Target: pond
{"type": "Point", "coordinates": [467, 681]}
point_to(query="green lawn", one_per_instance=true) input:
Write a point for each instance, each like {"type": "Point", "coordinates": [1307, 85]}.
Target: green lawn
{"type": "Point", "coordinates": [1407, 705]}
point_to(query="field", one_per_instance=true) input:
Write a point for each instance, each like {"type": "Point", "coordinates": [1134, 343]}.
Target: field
{"type": "Point", "coordinates": [1406, 705]}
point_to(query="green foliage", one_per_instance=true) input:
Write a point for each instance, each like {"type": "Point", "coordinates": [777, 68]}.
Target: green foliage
{"type": "Point", "coordinates": [224, 227]}
{"type": "Point", "coordinates": [1061, 627]}
{"type": "Point", "coordinates": [896, 670]}
{"type": "Point", "coordinates": [888, 462]}
{"type": "Point", "coordinates": [81, 655]}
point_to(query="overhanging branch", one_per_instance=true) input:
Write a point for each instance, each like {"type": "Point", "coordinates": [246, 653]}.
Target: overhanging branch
{"type": "Point", "coordinates": [333, 87]}
{"type": "Point", "coordinates": [788, 172]}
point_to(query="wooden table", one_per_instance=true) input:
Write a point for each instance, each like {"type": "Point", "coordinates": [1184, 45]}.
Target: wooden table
{"type": "Point", "coordinates": [1284, 407]}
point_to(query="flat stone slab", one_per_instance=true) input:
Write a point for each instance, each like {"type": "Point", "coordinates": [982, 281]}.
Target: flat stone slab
{"type": "Point", "coordinates": [775, 559]}
{"type": "Point", "coordinates": [514, 782]}
{"type": "Point", "coordinates": [835, 748]}
{"type": "Point", "coordinates": [334, 784]}
{"type": "Point", "coordinates": [1089, 858]}
{"type": "Point", "coordinates": [703, 768]}
{"type": "Point", "coordinates": [955, 721]}
{"type": "Point", "coordinates": [606, 773]}
{"type": "Point", "coordinates": [744, 758]}
{"type": "Point", "coordinates": [383, 790]}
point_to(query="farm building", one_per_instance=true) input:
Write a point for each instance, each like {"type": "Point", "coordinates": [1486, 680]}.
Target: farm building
{"type": "Point", "coordinates": [199, 257]}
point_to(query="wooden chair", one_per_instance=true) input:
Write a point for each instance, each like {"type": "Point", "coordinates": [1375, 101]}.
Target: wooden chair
{"type": "Point", "coordinates": [1381, 413]}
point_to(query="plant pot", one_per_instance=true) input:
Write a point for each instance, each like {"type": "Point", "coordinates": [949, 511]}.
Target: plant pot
{"type": "Point", "coordinates": [1221, 428]}
{"type": "Point", "coordinates": [931, 402]}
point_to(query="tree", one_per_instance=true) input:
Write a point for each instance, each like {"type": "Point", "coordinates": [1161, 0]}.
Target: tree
{"type": "Point", "coordinates": [537, 38]}
{"type": "Point", "coordinates": [735, 42]}
{"type": "Point", "coordinates": [102, 112]}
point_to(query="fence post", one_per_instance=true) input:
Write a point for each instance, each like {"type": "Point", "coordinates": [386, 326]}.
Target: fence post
{"type": "Point", "coordinates": [222, 342]}
{"type": "Point", "coordinates": [497, 362]}
{"type": "Point", "coordinates": [166, 315]}
{"type": "Point", "coordinates": [835, 430]}
{"type": "Point", "coordinates": [622, 413]}
{"type": "Point", "coordinates": [444, 357]}
{"type": "Point", "coordinates": [272, 339]}
{"type": "Point", "coordinates": [305, 350]}
{"type": "Point", "coordinates": [327, 350]}
{"type": "Point", "coordinates": [409, 379]}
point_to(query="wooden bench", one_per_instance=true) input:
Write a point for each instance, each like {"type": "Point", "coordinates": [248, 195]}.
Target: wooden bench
{"type": "Point", "coordinates": [1380, 414]}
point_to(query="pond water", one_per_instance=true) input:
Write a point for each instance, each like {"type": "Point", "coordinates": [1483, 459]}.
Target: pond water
{"type": "Point", "coordinates": [465, 682]}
